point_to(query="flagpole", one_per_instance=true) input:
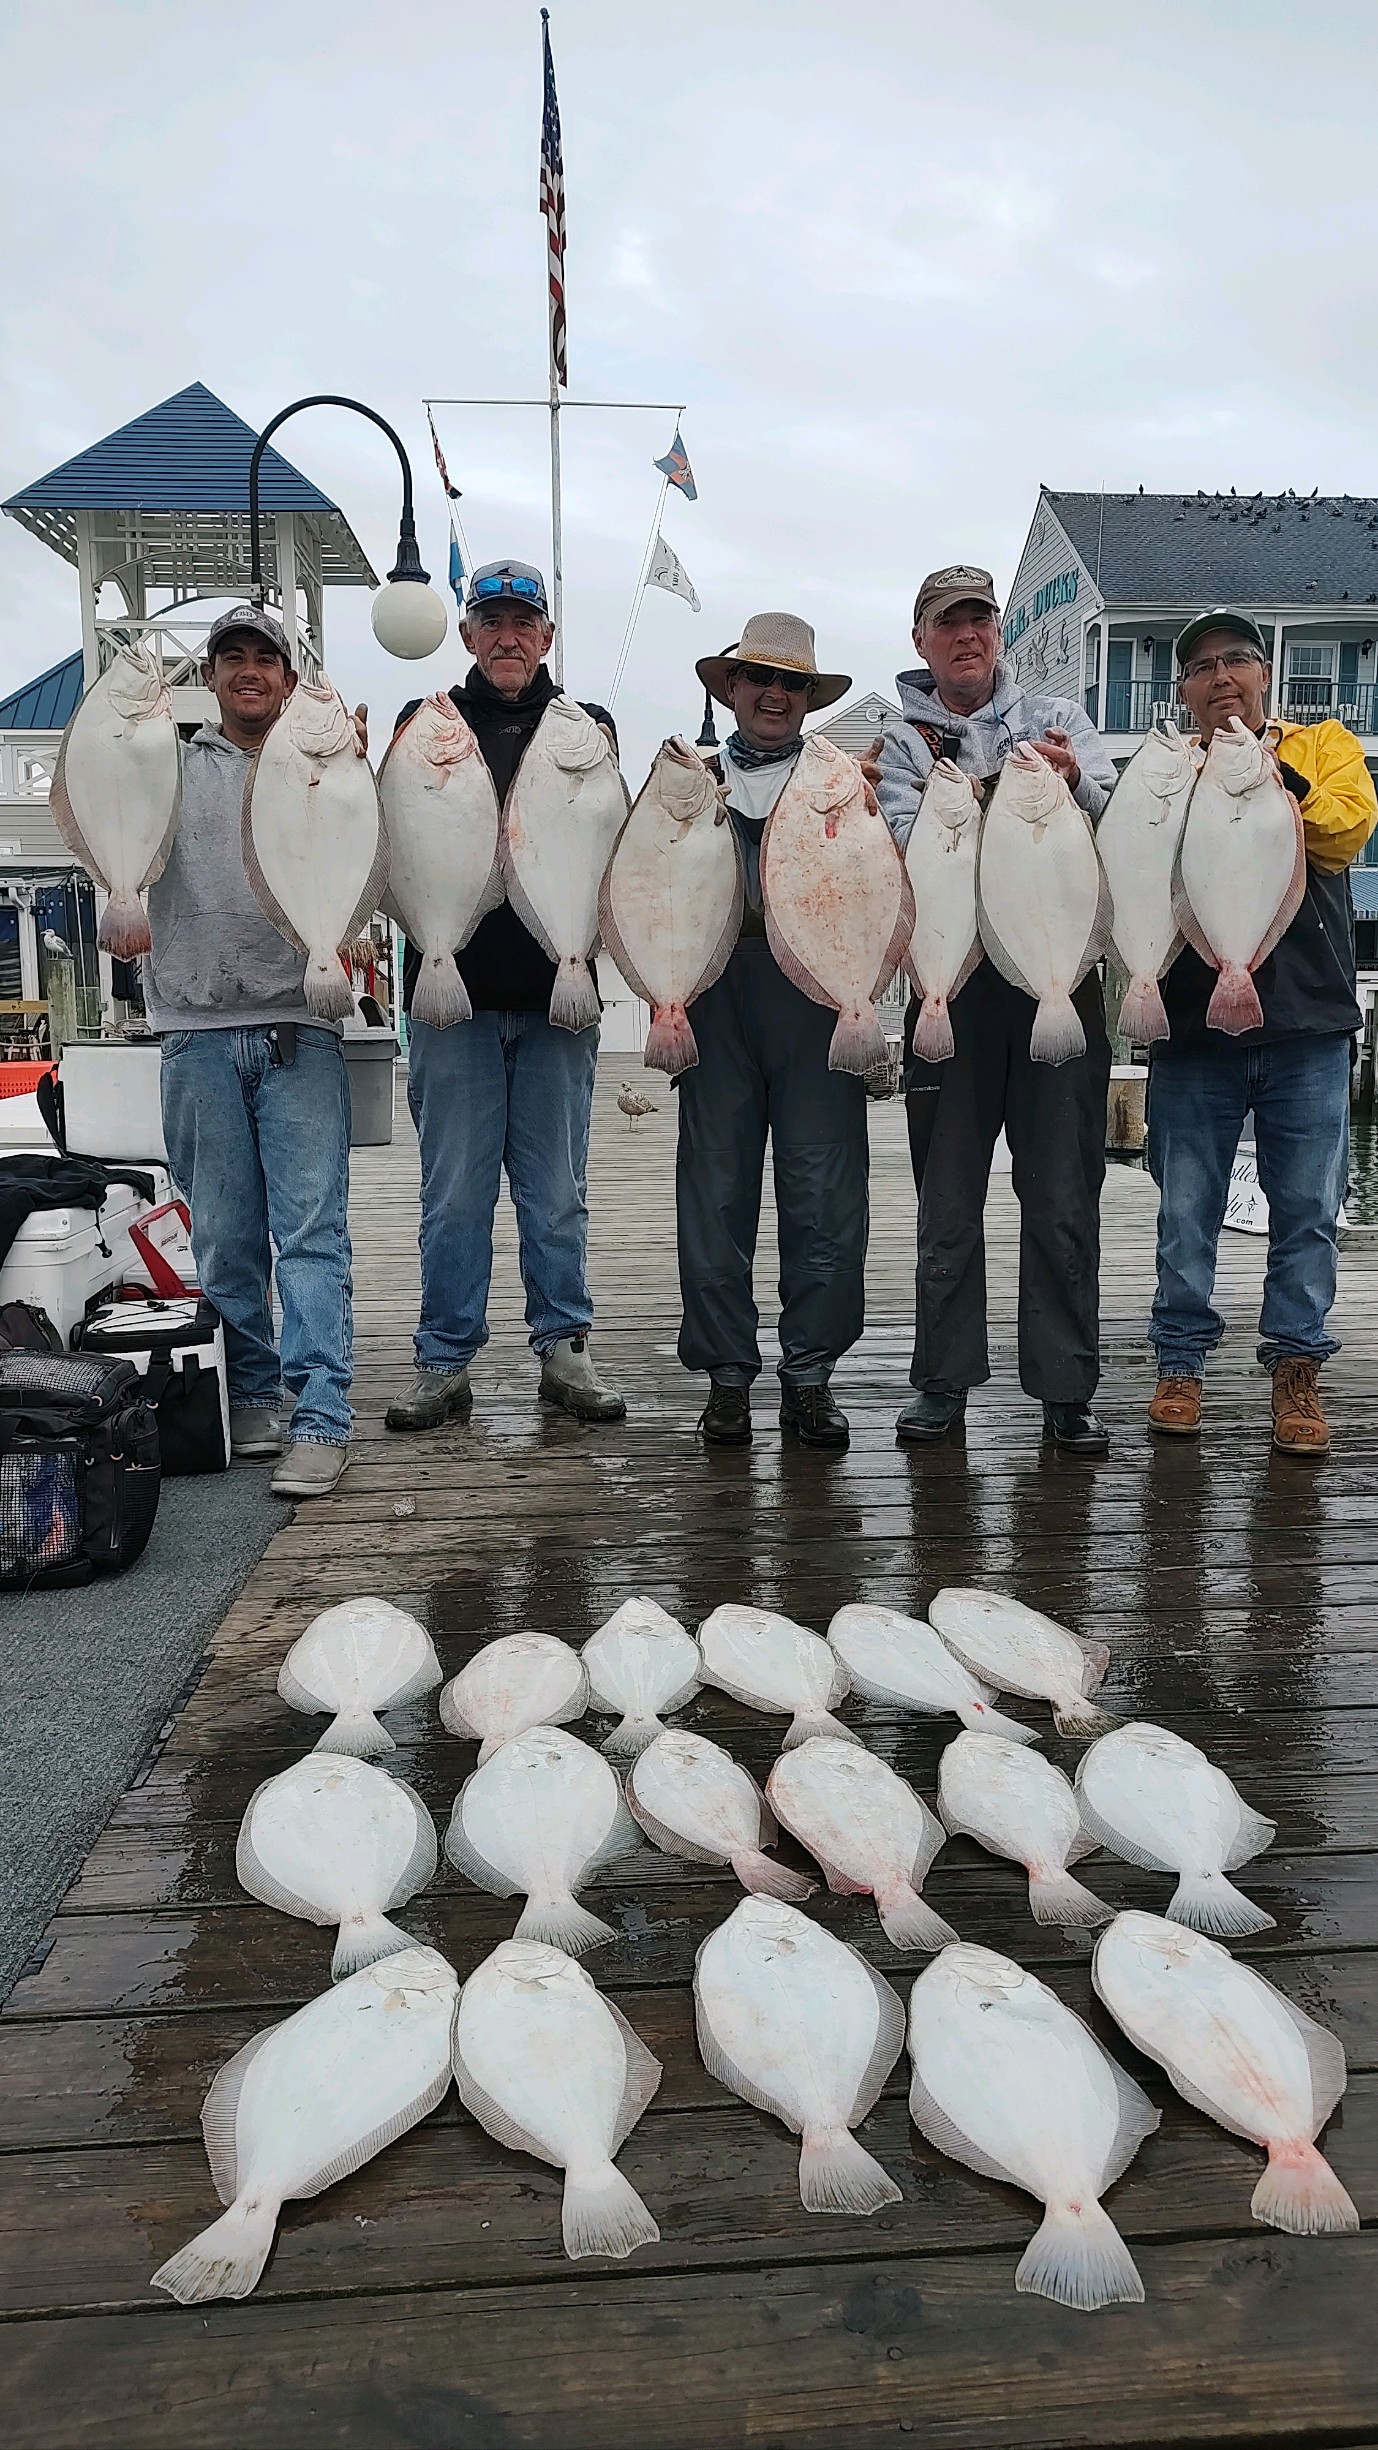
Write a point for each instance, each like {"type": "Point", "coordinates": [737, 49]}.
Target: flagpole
{"type": "Point", "coordinates": [635, 614]}
{"type": "Point", "coordinates": [553, 210]}
{"type": "Point", "coordinates": [557, 589]}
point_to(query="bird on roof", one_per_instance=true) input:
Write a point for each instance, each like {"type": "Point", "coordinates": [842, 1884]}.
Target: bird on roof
{"type": "Point", "coordinates": [634, 1105]}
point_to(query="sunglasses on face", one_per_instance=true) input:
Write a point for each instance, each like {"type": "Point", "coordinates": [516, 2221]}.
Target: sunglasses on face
{"type": "Point", "coordinates": [530, 589]}
{"type": "Point", "coordinates": [1238, 659]}
{"type": "Point", "coordinates": [765, 676]}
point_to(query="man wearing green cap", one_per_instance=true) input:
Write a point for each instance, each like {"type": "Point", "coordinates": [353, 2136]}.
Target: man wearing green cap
{"type": "Point", "coordinates": [1292, 1074]}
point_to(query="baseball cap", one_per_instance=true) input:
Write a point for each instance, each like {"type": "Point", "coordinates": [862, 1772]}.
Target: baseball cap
{"type": "Point", "coordinates": [1221, 617]}
{"type": "Point", "coordinates": [249, 617]}
{"type": "Point", "coordinates": [961, 583]}
{"type": "Point", "coordinates": [512, 582]}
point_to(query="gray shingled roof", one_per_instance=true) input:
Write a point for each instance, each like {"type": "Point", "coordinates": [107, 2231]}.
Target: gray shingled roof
{"type": "Point", "coordinates": [1196, 549]}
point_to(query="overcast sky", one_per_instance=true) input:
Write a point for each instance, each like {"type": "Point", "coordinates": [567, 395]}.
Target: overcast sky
{"type": "Point", "coordinates": [901, 261]}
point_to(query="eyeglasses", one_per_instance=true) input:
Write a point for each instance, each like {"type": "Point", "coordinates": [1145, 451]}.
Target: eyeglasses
{"type": "Point", "coordinates": [500, 584]}
{"type": "Point", "coordinates": [767, 676]}
{"type": "Point", "coordinates": [1235, 661]}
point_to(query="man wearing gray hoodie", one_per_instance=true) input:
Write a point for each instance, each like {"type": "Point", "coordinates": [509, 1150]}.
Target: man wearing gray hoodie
{"type": "Point", "coordinates": [964, 706]}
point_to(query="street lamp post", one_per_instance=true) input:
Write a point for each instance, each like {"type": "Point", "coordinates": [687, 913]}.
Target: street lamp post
{"type": "Point", "coordinates": [409, 618]}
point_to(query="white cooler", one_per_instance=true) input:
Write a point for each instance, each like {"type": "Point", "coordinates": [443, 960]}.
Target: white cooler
{"type": "Point", "coordinates": [62, 1259]}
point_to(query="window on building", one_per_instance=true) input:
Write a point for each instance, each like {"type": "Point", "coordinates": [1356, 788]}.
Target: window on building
{"type": "Point", "coordinates": [1310, 676]}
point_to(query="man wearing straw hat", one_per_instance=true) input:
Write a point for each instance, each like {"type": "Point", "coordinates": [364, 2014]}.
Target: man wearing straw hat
{"type": "Point", "coordinates": [763, 1069]}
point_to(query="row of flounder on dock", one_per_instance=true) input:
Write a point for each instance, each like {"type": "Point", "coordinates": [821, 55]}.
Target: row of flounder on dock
{"type": "Point", "coordinates": [1004, 2077]}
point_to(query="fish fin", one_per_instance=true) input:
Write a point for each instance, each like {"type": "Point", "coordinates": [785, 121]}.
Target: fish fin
{"type": "Point", "coordinates": [611, 934]}
{"type": "Point", "coordinates": [684, 1693]}
{"type": "Point", "coordinates": [806, 1723]}
{"type": "Point", "coordinates": [1325, 2050]}
{"type": "Point", "coordinates": [858, 1043]}
{"type": "Point", "coordinates": [630, 1737]}
{"type": "Point", "coordinates": [1300, 2192]}
{"type": "Point", "coordinates": [362, 1941]}
{"type": "Point", "coordinates": [65, 818]}
{"type": "Point", "coordinates": [902, 932]}
{"type": "Point", "coordinates": [985, 1721]}
{"type": "Point", "coordinates": [1097, 1658]}
{"type": "Point", "coordinates": [931, 1843]}
{"type": "Point", "coordinates": [933, 1039]}
{"type": "Point", "coordinates": [1104, 919]}
{"type": "Point", "coordinates": [1207, 1901]}
{"type": "Point", "coordinates": [124, 929]}
{"type": "Point", "coordinates": [427, 1677]}
{"type": "Point", "coordinates": [1057, 1035]}
{"type": "Point", "coordinates": [943, 2132]}
{"type": "Point", "coordinates": [1004, 960]}
{"type": "Point", "coordinates": [1079, 2259]}
{"type": "Point", "coordinates": [841, 1684]}
{"type": "Point", "coordinates": [161, 856]}
{"type": "Point", "coordinates": [490, 2114]}
{"type": "Point", "coordinates": [909, 1923]}
{"type": "Point", "coordinates": [666, 1839]}
{"type": "Point", "coordinates": [1256, 1834]}
{"type": "Point", "coordinates": [296, 1695]}
{"type": "Point", "coordinates": [624, 1838]}
{"type": "Point", "coordinates": [671, 1046]}
{"type": "Point", "coordinates": [254, 1876]}
{"type": "Point", "coordinates": [1055, 1897]}
{"type": "Point", "coordinates": [724, 2071]}
{"type": "Point", "coordinates": [726, 945]}
{"type": "Point", "coordinates": [467, 1859]}
{"type": "Point", "coordinates": [1124, 1849]}
{"type": "Point", "coordinates": [258, 883]}
{"type": "Point", "coordinates": [452, 1715]}
{"type": "Point", "coordinates": [377, 877]}
{"type": "Point", "coordinates": [226, 2260]}
{"type": "Point", "coordinates": [1083, 1844]}
{"type": "Point", "coordinates": [786, 958]}
{"type": "Point", "coordinates": [1080, 1718]}
{"type": "Point", "coordinates": [1234, 1006]}
{"type": "Point", "coordinates": [644, 2072]}
{"type": "Point", "coordinates": [562, 1923]}
{"type": "Point", "coordinates": [1291, 901]}
{"type": "Point", "coordinates": [837, 2174]}
{"type": "Point", "coordinates": [368, 2146]}
{"type": "Point", "coordinates": [763, 1878]}
{"type": "Point", "coordinates": [574, 1001]}
{"type": "Point", "coordinates": [425, 1853]}
{"type": "Point", "coordinates": [440, 997]}
{"type": "Point", "coordinates": [888, 2044]}
{"type": "Point", "coordinates": [494, 893]}
{"type": "Point", "coordinates": [971, 964]}
{"type": "Point", "coordinates": [1139, 2118]}
{"type": "Point", "coordinates": [220, 2111]}
{"type": "Point", "coordinates": [1143, 1014]}
{"type": "Point", "coordinates": [1188, 925]}
{"type": "Point", "coordinates": [516, 892]}
{"type": "Point", "coordinates": [357, 1732]}
{"type": "Point", "coordinates": [603, 2214]}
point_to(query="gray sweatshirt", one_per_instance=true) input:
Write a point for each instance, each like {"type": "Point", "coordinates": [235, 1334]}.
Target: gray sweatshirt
{"type": "Point", "coordinates": [216, 962]}
{"type": "Point", "coordinates": [984, 742]}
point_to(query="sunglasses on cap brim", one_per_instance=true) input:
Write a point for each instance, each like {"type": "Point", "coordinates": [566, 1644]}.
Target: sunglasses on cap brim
{"type": "Point", "coordinates": [529, 590]}
{"type": "Point", "coordinates": [769, 676]}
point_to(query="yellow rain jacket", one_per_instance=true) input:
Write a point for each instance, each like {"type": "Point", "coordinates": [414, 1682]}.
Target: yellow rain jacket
{"type": "Point", "coordinates": [1340, 810]}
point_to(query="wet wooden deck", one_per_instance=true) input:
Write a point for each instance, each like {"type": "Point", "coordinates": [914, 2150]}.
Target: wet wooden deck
{"type": "Point", "coordinates": [426, 2301]}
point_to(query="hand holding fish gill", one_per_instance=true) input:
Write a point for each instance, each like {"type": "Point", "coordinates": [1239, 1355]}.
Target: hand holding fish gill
{"type": "Point", "coordinates": [1056, 749]}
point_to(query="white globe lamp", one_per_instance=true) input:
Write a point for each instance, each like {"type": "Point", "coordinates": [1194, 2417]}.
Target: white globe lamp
{"type": "Point", "coordinates": [409, 619]}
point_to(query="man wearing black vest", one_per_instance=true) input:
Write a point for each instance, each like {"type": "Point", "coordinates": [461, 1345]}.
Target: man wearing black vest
{"type": "Point", "coordinates": [506, 1091]}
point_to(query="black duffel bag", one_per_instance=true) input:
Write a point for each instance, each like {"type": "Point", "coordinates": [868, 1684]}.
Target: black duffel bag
{"type": "Point", "coordinates": [79, 1469]}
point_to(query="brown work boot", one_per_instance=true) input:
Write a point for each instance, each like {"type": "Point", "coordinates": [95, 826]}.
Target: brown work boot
{"type": "Point", "coordinates": [1299, 1425]}
{"type": "Point", "coordinates": [1176, 1407]}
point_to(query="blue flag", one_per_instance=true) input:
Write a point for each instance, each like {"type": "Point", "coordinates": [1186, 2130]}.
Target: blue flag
{"type": "Point", "coordinates": [457, 572]}
{"type": "Point", "coordinates": [676, 469]}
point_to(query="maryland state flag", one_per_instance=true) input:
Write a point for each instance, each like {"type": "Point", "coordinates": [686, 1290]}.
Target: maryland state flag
{"type": "Point", "coordinates": [676, 470]}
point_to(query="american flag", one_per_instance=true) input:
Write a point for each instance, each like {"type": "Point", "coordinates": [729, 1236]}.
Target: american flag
{"type": "Point", "coordinates": [553, 210]}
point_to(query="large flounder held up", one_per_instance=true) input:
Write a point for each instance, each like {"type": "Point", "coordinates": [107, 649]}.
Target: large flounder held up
{"type": "Point", "coordinates": [1137, 838]}
{"type": "Point", "coordinates": [1042, 897]}
{"type": "Point", "coordinates": [945, 947]}
{"type": "Point", "coordinates": [116, 792]}
{"type": "Point", "coordinates": [1241, 871]}
{"type": "Point", "coordinates": [670, 908]}
{"type": "Point", "coordinates": [315, 845]}
{"type": "Point", "coordinates": [563, 813]}
{"type": "Point", "coordinates": [839, 907]}
{"type": "Point", "coordinates": [441, 812]}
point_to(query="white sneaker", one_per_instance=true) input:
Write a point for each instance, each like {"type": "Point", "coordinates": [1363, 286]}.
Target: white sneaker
{"type": "Point", "coordinates": [569, 1379]}
{"type": "Point", "coordinates": [309, 1471]}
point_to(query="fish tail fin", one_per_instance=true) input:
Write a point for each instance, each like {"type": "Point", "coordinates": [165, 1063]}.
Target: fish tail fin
{"type": "Point", "coordinates": [670, 1042]}
{"type": "Point", "coordinates": [562, 1923]}
{"type": "Point", "coordinates": [858, 1042]}
{"type": "Point", "coordinates": [1299, 2191]}
{"type": "Point", "coordinates": [630, 1737]}
{"type": "Point", "coordinates": [763, 1878]}
{"type": "Point", "coordinates": [227, 2259]}
{"type": "Point", "coordinates": [1055, 1897]}
{"type": "Point", "coordinates": [363, 1939]}
{"type": "Point", "coordinates": [1143, 1015]}
{"type": "Point", "coordinates": [985, 1721]}
{"type": "Point", "coordinates": [908, 1923]}
{"type": "Point", "coordinates": [837, 2174]}
{"type": "Point", "coordinates": [357, 1732]}
{"type": "Point", "coordinates": [1081, 1717]}
{"type": "Point", "coordinates": [1079, 2258]}
{"type": "Point", "coordinates": [574, 998]}
{"type": "Point", "coordinates": [440, 997]}
{"type": "Point", "coordinates": [1207, 1901]}
{"type": "Point", "coordinates": [1234, 1005]}
{"type": "Point", "coordinates": [124, 929]}
{"type": "Point", "coordinates": [329, 995]}
{"type": "Point", "coordinates": [603, 2214]}
{"type": "Point", "coordinates": [815, 1722]}
{"type": "Point", "coordinates": [1057, 1035]}
{"type": "Point", "coordinates": [933, 1038]}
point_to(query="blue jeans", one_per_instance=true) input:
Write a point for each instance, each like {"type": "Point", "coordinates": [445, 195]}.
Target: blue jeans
{"type": "Point", "coordinates": [1298, 1091]}
{"type": "Point", "coordinates": [262, 1150]}
{"type": "Point", "coordinates": [505, 1091]}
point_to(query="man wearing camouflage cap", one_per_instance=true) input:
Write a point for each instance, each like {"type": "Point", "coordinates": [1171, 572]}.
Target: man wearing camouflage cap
{"type": "Point", "coordinates": [965, 706]}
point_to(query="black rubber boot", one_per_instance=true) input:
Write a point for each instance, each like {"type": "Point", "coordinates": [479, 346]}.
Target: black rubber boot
{"type": "Point", "coordinates": [1074, 1427]}
{"type": "Point", "coordinates": [430, 1398]}
{"type": "Point", "coordinates": [726, 1417]}
{"type": "Point", "coordinates": [813, 1416]}
{"type": "Point", "coordinates": [929, 1417]}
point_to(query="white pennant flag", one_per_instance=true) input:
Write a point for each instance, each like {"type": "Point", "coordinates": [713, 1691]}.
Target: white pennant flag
{"type": "Point", "coordinates": [668, 571]}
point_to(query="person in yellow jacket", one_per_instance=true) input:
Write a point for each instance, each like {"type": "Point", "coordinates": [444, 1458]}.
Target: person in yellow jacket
{"type": "Point", "coordinates": [1292, 1074]}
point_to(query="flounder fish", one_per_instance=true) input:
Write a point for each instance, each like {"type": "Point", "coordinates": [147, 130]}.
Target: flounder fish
{"type": "Point", "coordinates": [1155, 1799]}
{"type": "Point", "coordinates": [1016, 1804]}
{"type": "Point", "coordinates": [945, 947]}
{"type": "Point", "coordinates": [355, 1659]}
{"type": "Point", "coordinates": [693, 1800]}
{"type": "Point", "coordinates": [1017, 1650]}
{"type": "Point", "coordinates": [1137, 838]}
{"type": "Point", "coordinates": [670, 907]}
{"type": "Point", "coordinates": [564, 811]}
{"type": "Point", "coordinates": [441, 812]}
{"type": "Point", "coordinates": [521, 1680]}
{"type": "Point", "coordinates": [550, 2067]}
{"type": "Point", "coordinates": [539, 1819]}
{"type": "Point", "coordinates": [872, 1834]}
{"type": "Point", "coordinates": [1042, 897]}
{"type": "Point", "coordinates": [116, 792]}
{"type": "Point", "coordinates": [839, 907]}
{"type": "Point", "coordinates": [315, 845]}
{"type": "Point", "coordinates": [772, 1664]}
{"type": "Point", "coordinates": [900, 1662]}
{"type": "Point", "coordinates": [1009, 2082]}
{"type": "Point", "coordinates": [337, 1841]}
{"type": "Point", "coordinates": [640, 1663]}
{"type": "Point", "coordinates": [310, 2100]}
{"type": "Point", "coordinates": [795, 2022]}
{"type": "Point", "coordinates": [1241, 871]}
{"type": "Point", "coordinates": [1237, 2049]}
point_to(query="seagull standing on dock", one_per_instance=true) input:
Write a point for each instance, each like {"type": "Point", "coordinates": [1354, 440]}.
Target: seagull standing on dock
{"type": "Point", "coordinates": [634, 1105]}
